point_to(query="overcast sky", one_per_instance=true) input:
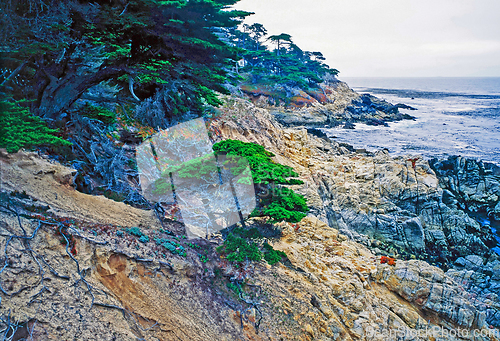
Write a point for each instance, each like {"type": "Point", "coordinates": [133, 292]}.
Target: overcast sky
{"type": "Point", "coordinates": [390, 38]}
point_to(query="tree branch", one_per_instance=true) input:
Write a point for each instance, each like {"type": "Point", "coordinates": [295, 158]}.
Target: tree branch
{"type": "Point", "coordinates": [14, 73]}
{"type": "Point", "coordinates": [131, 88]}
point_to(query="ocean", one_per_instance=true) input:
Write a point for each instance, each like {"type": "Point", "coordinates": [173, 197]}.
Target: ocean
{"type": "Point", "coordinates": [454, 116]}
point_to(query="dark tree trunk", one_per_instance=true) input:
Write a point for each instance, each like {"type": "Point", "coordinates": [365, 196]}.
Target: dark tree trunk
{"type": "Point", "coordinates": [60, 93]}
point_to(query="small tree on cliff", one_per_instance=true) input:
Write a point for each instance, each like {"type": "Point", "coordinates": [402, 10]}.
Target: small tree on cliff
{"type": "Point", "coordinates": [279, 40]}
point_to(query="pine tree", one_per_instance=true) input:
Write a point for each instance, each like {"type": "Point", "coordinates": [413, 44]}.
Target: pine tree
{"type": "Point", "coordinates": [61, 49]}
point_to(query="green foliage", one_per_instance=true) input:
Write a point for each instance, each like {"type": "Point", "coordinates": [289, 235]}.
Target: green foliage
{"type": "Point", "coordinates": [159, 45]}
{"type": "Point", "coordinates": [144, 239]}
{"type": "Point", "coordinates": [284, 204]}
{"type": "Point", "coordinates": [237, 249]}
{"type": "Point", "coordinates": [193, 246]}
{"type": "Point", "coordinates": [234, 288]}
{"type": "Point", "coordinates": [113, 195]}
{"type": "Point", "coordinates": [195, 168]}
{"type": "Point", "coordinates": [271, 255]}
{"type": "Point", "coordinates": [203, 258]}
{"type": "Point", "coordinates": [135, 231]}
{"type": "Point", "coordinates": [242, 244]}
{"type": "Point", "coordinates": [171, 246]}
{"type": "Point", "coordinates": [276, 202]}
{"type": "Point", "coordinates": [252, 233]}
{"type": "Point", "coordinates": [98, 113]}
{"type": "Point", "coordinates": [20, 129]}
{"type": "Point", "coordinates": [286, 65]}
{"type": "Point", "coordinates": [264, 170]}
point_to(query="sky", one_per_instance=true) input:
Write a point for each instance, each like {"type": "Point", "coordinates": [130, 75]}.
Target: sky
{"type": "Point", "coordinates": [390, 38]}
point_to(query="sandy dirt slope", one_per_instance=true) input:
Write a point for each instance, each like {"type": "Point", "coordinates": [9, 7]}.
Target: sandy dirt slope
{"type": "Point", "coordinates": [50, 183]}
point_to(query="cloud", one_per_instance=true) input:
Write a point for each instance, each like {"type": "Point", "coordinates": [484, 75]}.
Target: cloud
{"type": "Point", "coordinates": [391, 37]}
{"type": "Point", "coordinates": [463, 48]}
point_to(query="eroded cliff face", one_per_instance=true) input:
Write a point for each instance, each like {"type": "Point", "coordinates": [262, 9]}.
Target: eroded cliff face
{"type": "Point", "coordinates": [395, 206]}
{"type": "Point", "coordinates": [72, 271]}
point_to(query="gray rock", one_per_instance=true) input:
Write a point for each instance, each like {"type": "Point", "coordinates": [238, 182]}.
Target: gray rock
{"type": "Point", "coordinates": [414, 233]}
{"type": "Point", "coordinates": [473, 262]}
{"type": "Point", "coordinates": [437, 237]}
{"type": "Point", "coordinates": [460, 261]}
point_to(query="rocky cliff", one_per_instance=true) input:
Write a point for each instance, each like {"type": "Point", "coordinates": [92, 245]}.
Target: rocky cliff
{"type": "Point", "coordinates": [395, 206]}
{"type": "Point", "coordinates": [339, 106]}
{"type": "Point", "coordinates": [84, 267]}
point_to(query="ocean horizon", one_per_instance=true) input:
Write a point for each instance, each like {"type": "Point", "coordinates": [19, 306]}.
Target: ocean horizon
{"type": "Point", "coordinates": [454, 116]}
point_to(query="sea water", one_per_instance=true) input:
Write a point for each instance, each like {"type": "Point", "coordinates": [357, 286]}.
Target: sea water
{"type": "Point", "coordinates": [454, 116]}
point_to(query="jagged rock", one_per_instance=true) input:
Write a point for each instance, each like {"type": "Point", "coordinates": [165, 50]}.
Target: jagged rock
{"type": "Point", "coordinates": [349, 125]}
{"type": "Point", "coordinates": [414, 233]}
{"type": "Point", "coordinates": [370, 197]}
{"type": "Point", "coordinates": [404, 106]}
{"type": "Point", "coordinates": [473, 262]}
{"type": "Point", "coordinates": [431, 289]}
{"type": "Point", "coordinates": [343, 106]}
{"type": "Point", "coordinates": [474, 184]}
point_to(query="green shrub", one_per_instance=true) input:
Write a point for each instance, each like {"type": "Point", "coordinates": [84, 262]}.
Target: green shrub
{"type": "Point", "coordinates": [276, 202]}
{"type": "Point", "coordinates": [135, 231]}
{"type": "Point", "coordinates": [238, 249]}
{"type": "Point", "coordinates": [252, 233]}
{"type": "Point", "coordinates": [171, 246]}
{"type": "Point", "coordinates": [271, 255]}
{"type": "Point", "coordinates": [20, 129]}
{"type": "Point", "coordinates": [98, 113]}
{"type": "Point", "coordinates": [264, 170]}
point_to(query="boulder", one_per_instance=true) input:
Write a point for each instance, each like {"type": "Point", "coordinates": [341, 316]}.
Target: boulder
{"type": "Point", "coordinates": [414, 234]}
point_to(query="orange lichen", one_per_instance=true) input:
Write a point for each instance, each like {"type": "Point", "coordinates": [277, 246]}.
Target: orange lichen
{"type": "Point", "coordinates": [318, 95]}
{"type": "Point", "coordinates": [388, 260]}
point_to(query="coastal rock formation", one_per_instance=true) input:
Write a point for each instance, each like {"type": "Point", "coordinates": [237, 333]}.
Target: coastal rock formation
{"type": "Point", "coordinates": [82, 275]}
{"type": "Point", "coordinates": [394, 206]}
{"type": "Point", "coordinates": [113, 286]}
{"type": "Point", "coordinates": [431, 289]}
{"type": "Point", "coordinates": [342, 106]}
{"type": "Point", "coordinates": [472, 185]}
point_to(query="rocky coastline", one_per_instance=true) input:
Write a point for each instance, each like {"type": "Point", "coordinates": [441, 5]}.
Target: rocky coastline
{"type": "Point", "coordinates": [342, 106]}
{"type": "Point", "coordinates": [404, 207]}
{"type": "Point", "coordinates": [438, 211]}
{"type": "Point", "coordinates": [364, 206]}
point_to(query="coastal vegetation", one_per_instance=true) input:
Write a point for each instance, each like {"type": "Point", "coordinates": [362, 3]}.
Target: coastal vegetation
{"type": "Point", "coordinates": [85, 83]}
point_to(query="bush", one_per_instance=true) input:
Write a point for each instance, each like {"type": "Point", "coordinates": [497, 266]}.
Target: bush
{"type": "Point", "coordinates": [20, 129]}
{"type": "Point", "coordinates": [286, 205]}
{"type": "Point", "coordinates": [264, 170]}
{"type": "Point", "coordinates": [98, 113]}
{"type": "Point", "coordinates": [271, 255]}
{"type": "Point", "coordinates": [242, 244]}
{"type": "Point", "coordinates": [238, 249]}
{"type": "Point", "coordinates": [171, 246]}
{"type": "Point", "coordinates": [135, 231]}
{"type": "Point", "coordinates": [277, 203]}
